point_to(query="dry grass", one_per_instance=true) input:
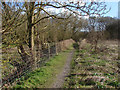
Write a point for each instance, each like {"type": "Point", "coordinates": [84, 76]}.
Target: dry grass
{"type": "Point", "coordinates": [95, 70]}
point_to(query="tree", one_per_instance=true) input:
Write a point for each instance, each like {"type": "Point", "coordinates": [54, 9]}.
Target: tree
{"type": "Point", "coordinates": [27, 11]}
{"type": "Point", "coordinates": [113, 29]}
{"type": "Point", "coordinates": [96, 31]}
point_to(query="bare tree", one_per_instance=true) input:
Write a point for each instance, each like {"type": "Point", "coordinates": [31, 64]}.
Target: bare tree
{"type": "Point", "coordinates": [14, 18]}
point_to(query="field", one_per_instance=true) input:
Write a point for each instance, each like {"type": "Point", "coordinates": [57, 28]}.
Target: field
{"type": "Point", "coordinates": [95, 70]}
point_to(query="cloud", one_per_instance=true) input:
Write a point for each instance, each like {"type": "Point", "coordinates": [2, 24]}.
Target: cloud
{"type": "Point", "coordinates": [51, 9]}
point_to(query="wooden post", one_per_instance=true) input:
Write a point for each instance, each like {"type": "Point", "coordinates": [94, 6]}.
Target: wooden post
{"type": "Point", "coordinates": [49, 50]}
{"type": "Point", "coordinates": [56, 48]}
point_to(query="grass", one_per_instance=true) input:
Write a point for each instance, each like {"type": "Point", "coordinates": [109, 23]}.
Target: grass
{"type": "Point", "coordinates": [90, 70]}
{"type": "Point", "coordinates": [8, 46]}
{"type": "Point", "coordinates": [46, 75]}
{"type": "Point", "coordinates": [67, 79]}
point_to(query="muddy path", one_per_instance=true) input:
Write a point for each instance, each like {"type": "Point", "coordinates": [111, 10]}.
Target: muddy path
{"type": "Point", "coordinates": [66, 69]}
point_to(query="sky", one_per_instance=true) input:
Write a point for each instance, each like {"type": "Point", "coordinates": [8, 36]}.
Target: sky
{"type": "Point", "coordinates": [110, 4]}
{"type": "Point", "coordinates": [114, 9]}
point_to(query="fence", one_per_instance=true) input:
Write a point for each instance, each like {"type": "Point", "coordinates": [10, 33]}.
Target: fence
{"type": "Point", "coordinates": [13, 68]}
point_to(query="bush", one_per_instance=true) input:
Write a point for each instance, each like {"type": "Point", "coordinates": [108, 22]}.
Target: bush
{"type": "Point", "coordinates": [76, 46]}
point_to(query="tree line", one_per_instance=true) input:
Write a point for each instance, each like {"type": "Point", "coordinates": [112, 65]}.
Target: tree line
{"type": "Point", "coordinates": [31, 26]}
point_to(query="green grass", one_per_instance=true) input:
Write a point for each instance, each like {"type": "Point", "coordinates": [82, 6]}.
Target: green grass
{"type": "Point", "coordinates": [46, 75]}
{"type": "Point", "coordinates": [8, 46]}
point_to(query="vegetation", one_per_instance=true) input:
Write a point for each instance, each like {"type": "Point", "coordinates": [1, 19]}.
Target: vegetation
{"type": "Point", "coordinates": [46, 75]}
{"type": "Point", "coordinates": [94, 70]}
{"type": "Point", "coordinates": [32, 34]}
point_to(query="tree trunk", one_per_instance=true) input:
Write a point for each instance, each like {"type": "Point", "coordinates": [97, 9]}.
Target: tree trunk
{"type": "Point", "coordinates": [30, 29]}
{"type": "Point", "coordinates": [38, 46]}
{"type": "Point", "coordinates": [22, 53]}
{"type": "Point", "coordinates": [25, 58]}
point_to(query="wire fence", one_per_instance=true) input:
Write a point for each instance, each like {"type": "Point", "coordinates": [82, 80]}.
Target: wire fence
{"type": "Point", "coordinates": [14, 67]}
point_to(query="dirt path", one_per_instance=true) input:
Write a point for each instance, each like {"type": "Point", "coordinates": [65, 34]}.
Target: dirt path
{"type": "Point", "coordinates": [60, 78]}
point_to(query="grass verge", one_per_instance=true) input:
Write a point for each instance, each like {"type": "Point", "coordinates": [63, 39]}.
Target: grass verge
{"type": "Point", "coordinates": [46, 75]}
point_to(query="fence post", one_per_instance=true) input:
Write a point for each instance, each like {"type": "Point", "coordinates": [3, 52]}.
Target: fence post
{"type": "Point", "coordinates": [56, 48]}
{"type": "Point", "coordinates": [49, 50]}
